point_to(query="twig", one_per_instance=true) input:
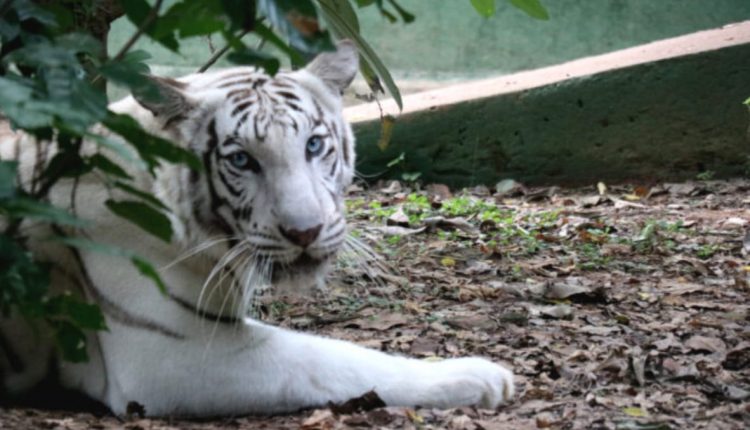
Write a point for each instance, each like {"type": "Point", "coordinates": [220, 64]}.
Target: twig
{"type": "Point", "coordinates": [215, 57]}
{"type": "Point", "coordinates": [152, 15]}
{"type": "Point", "coordinates": [211, 46]}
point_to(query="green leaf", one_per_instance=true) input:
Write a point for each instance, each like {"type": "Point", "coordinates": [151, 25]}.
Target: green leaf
{"type": "Point", "coordinates": [143, 266]}
{"type": "Point", "coordinates": [144, 216]}
{"type": "Point", "coordinates": [747, 102]}
{"type": "Point", "coordinates": [72, 341]}
{"type": "Point", "coordinates": [118, 147]}
{"type": "Point", "coordinates": [486, 8]}
{"type": "Point", "coordinates": [108, 166]}
{"type": "Point", "coordinates": [533, 8]}
{"type": "Point", "coordinates": [195, 17]}
{"type": "Point", "coordinates": [23, 207]}
{"type": "Point", "coordinates": [131, 72]}
{"type": "Point", "coordinates": [255, 58]}
{"type": "Point", "coordinates": [240, 12]}
{"type": "Point", "coordinates": [30, 10]}
{"type": "Point", "coordinates": [8, 178]}
{"type": "Point", "coordinates": [23, 281]}
{"type": "Point", "coordinates": [149, 271]}
{"type": "Point", "coordinates": [58, 92]}
{"type": "Point", "coordinates": [142, 194]}
{"type": "Point", "coordinates": [67, 163]}
{"type": "Point", "coordinates": [84, 315]}
{"type": "Point", "coordinates": [266, 33]}
{"type": "Point", "coordinates": [150, 147]}
{"type": "Point", "coordinates": [349, 30]}
{"type": "Point", "coordinates": [80, 43]}
{"type": "Point", "coordinates": [17, 104]}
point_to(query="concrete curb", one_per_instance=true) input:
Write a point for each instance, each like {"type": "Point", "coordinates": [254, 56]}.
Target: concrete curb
{"type": "Point", "coordinates": [665, 110]}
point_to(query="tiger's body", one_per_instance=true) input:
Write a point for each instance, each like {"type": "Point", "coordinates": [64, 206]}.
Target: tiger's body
{"type": "Point", "coordinates": [268, 206]}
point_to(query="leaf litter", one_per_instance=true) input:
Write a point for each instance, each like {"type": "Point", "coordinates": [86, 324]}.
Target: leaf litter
{"type": "Point", "coordinates": [617, 306]}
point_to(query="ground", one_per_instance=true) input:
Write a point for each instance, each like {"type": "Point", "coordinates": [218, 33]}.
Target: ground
{"type": "Point", "coordinates": [620, 307]}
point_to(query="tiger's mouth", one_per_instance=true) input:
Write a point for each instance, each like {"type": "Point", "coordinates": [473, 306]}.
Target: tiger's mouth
{"type": "Point", "coordinates": [303, 265]}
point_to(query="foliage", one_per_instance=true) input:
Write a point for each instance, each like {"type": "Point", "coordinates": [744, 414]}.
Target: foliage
{"type": "Point", "coordinates": [52, 80]}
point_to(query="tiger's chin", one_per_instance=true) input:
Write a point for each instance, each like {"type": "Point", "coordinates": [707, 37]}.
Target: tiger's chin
{"type": "Point", "coordinates": [300, 276]}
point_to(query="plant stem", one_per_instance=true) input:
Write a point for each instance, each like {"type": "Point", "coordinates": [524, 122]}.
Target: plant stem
{"type": "Point", "coordinates": [152, 15]}
{"type": "Point", "coordinates": [215, 57]}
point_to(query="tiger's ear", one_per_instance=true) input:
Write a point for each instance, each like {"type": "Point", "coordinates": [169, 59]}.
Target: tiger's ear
{"type": "Point", "coordinates": [338, 68]}
{"type": "Point", "coordinates": [165, 98]}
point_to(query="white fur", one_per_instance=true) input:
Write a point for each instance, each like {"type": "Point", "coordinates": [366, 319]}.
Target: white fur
{"type": "Point", "coordinates": [216, 369]}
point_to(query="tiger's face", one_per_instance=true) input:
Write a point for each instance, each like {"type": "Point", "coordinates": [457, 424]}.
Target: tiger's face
{"type": "Point", "coordinates": [277, 157]}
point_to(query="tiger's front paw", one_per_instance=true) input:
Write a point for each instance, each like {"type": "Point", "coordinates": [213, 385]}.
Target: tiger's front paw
{"type": "Point", "coordinates": [475, 381]}
{"type": "Point", "coordinates": [452, 383]}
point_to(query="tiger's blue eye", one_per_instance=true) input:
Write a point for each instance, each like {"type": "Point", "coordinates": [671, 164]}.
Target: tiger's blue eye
{"type": "Point", "coordinates": [244, 161]}
{"type": "Point", "coordinates": [239, 159]}
{"type": "Point", "coordinates": [314, 146]}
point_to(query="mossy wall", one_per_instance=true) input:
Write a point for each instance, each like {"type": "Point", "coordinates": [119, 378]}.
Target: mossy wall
{"type": "Point", "coordinates": [665, 120]}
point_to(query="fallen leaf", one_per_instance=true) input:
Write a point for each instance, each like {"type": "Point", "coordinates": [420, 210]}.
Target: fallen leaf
{"type": "Point", "coordinates": [399, 218]}
{"type": "Point", "coordinates": [705, 344]}
{"type": "Point", "coordinates": [366, 402]}
{"type": "Point", "coordinates": [448, 261]}
{"type": "Point", "coordinates": [602, 188]}
{"type": "Point", "coordinates": [321, 419]}
{"type": "Point", "coordinates": [441, 191]}
{"type": "Point", "coordinates": [394, 230]}
{"type": "Point", "coordinates": [559, 311]}
{"type": "Point", "coordinates": [379, 322]}
{"type": "Point", "coordinates": [508, 187]}
{"type": "Point", "coordinates": [635, 412]}
{"type": "Point", "coordinates": [453, 223]}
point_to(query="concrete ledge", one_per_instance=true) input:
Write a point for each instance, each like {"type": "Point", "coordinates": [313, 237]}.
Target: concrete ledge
{"type": "Point", "coordinates": [665, 110]}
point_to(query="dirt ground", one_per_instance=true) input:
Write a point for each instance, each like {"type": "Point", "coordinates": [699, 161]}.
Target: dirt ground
{"type": "Point", "coordinates": [617, 307]}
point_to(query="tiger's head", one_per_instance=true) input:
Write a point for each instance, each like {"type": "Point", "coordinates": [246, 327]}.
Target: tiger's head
{"type": "Point", "coordinates": [277, 157]}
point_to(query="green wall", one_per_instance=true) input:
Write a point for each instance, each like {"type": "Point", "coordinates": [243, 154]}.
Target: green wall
{"type": "Point", "coordinates": [665, 120]}
{"type": "Point", "coordinates": [450, 40]}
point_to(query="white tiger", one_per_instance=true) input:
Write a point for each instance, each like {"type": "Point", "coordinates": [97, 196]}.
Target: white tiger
{"type": "Point", "coordinates": [277, 155]}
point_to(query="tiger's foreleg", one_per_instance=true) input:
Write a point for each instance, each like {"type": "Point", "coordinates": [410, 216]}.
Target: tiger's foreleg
{"type": "Point", "coordinates": [278, 370]}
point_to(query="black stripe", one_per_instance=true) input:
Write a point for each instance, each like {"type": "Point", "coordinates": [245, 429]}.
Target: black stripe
{"type": "Point", "coordinates": [241, 121]}
{"type": "Point", "coordinates": [224, 319]}
{"type": "Point", "coordinates": [288, 95]}
{"type": "Point", "coordinates": [241, 107]}
{"type": "Point", "coordinates": [112, 309]}
{"type": "Point", "coordinates": [257, 130]}
{"type": "Point", "coordinates": [334, 166]}
{"type": "Point", "coordinates": [293, 106]}
{"type": "Point", "coordinates": [345, 145]}
{"type": "Point", "coordinates": [246, 213]}
{"type": "Point", "coordinates": [334, 196]}
{"type": "Point", "coordinates": [237, 82]}
{"type": "Point", "coordinates": [241, 92]}
{"type": "Point", "coordinates": [233, 191]}
{"type": "Point", "coordinates": [216, 201]}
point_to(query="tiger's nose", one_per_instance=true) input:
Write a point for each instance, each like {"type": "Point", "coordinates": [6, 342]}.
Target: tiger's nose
{"type": "Point", "coordinates": [302, 238]}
